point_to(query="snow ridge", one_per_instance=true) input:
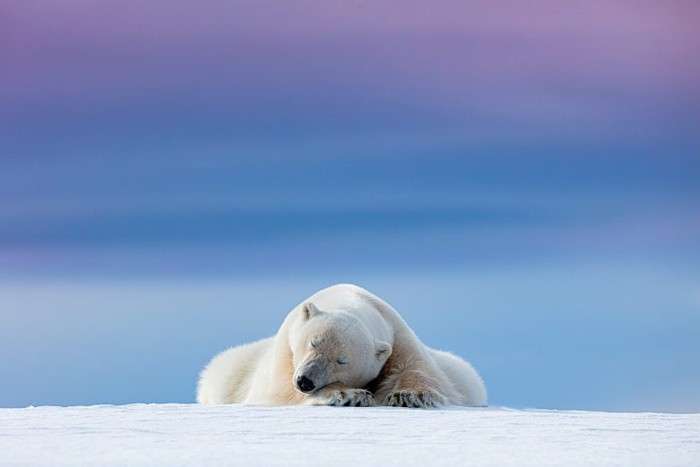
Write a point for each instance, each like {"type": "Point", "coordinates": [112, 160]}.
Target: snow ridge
{"type": "Point", "coordinates": [187, 434]}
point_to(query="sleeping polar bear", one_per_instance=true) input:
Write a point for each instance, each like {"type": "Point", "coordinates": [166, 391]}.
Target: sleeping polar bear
{"type": "Point", "coordinates": [341, 346]}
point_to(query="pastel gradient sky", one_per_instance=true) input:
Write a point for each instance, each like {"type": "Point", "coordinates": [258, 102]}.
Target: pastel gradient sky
{"type": "Point", "coordinates": [519, 178]}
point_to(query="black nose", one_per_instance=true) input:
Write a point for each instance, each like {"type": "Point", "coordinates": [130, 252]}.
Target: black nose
{"type": "Point", "coordinates": [305, 384]}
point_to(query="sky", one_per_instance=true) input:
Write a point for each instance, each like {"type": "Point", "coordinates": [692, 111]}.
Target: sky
{"type": "Point", "coordinates": [520, 181]}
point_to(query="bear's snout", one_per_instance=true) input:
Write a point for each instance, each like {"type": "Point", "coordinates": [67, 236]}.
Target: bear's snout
{"type": "Point", "coordinates": [305, 384]}
{"type": "Point", "coordinates": [311, 376]}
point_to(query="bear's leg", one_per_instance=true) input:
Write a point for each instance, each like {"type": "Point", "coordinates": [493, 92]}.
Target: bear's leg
{"type": "Point", "coordinates": [340, 396]}
{"type": "Point", "coordinates": [412, 388]}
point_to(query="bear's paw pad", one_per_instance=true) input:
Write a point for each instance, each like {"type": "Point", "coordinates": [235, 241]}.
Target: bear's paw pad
{"type": "Point", "coordinates": [351, 398]}
{"type": "Point", "coordinates": [413, 399]}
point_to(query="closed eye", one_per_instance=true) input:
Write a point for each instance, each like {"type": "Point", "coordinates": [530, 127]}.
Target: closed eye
{"type": "Point", "coordinates": [342, 361]}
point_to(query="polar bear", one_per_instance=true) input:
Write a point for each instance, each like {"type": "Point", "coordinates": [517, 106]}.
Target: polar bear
{"type": "Point", "coordinates": [343, 346]}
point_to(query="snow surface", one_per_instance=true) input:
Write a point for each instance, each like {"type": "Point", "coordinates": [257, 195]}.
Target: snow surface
{"type": "Point", "coordinates": [183, 434]}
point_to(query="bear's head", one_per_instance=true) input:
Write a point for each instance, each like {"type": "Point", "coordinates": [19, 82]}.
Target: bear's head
{"type": "Point", "coordinates": [332, 348]}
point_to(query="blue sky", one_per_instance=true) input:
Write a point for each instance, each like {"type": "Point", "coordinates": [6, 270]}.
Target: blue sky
{"type": "Point", "coordinates": [520, 181]}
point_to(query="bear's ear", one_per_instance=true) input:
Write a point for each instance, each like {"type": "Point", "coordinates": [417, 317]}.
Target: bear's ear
{"type": "Point", "coordinates": [310, 310]}
{"type": "Point", "coordinates": [383, 350]}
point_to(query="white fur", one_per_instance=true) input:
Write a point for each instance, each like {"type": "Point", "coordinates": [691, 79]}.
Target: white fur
{"type": "Point", "coordinates": [363, 353]}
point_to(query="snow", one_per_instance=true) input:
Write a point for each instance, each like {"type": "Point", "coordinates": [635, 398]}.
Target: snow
{"type": "Point", "coordinates": [185, 434]}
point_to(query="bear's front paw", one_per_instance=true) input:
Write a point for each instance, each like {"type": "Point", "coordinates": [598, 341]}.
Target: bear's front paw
{"type": "Point", "coordinates": [350, 398]}
{"type": "Point", "coordinates": [414, 399]}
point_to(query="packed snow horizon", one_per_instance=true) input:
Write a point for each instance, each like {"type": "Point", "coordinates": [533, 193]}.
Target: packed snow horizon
{"type": "Point", "coordinates": [189, 434]}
